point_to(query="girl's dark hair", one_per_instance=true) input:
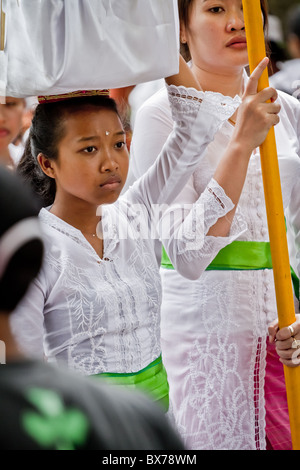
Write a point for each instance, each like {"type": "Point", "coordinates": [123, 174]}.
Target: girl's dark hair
{"type": "Point", "coordinates": [47, 130]}
{"type": "Point", "coordinates": [184, 7]}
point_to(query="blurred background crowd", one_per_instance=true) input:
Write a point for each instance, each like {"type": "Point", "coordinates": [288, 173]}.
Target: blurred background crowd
{"type": "Point", "coordinates": [284, 35]}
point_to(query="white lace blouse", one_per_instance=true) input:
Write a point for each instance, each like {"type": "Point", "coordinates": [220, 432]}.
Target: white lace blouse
{"type": "Point", "coordinates": [103, 315]}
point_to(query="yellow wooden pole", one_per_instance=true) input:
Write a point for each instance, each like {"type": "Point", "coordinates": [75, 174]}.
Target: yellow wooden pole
{"type": "Point", "coordinates": [275, 214]}
{"type": "Point", "coordinates": [2, 28]}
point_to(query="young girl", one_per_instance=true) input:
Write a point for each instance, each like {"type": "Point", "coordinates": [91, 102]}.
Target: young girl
{"type": "Point", "coordinates": [95, 306]}
{"type": "Point", "coordinates": [34, 396]}
{"type": "Point", "coordinates": [226, 385]}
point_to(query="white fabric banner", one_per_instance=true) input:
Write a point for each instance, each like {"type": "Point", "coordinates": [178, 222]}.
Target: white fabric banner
{"type": "Point", "coordinates": [57, 46]}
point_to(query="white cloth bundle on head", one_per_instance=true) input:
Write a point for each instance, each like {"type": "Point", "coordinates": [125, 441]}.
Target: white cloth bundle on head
{"type": "Point", "coordinates": [57, 46]}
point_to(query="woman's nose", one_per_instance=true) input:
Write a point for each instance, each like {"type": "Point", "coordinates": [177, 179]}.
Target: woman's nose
{"type": "Point", "coordinates": [236, 22]}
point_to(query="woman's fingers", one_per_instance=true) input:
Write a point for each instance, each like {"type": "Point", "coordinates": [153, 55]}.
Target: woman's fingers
{"type": "Point", "coordinates": [252, 85]}
{"type": "Point", "coordinates": [287, 342]}
{"type": "Point", "coordinates": [272, 108]}
{"type": "Point", "coordinates": [289, 331]}
{"type": "Point", "coordinates": [273, 329]}
{"type": "Point", "coordinates": [268, 94]}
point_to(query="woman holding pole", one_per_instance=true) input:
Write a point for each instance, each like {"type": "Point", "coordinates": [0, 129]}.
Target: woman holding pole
{"type": "Point", "coordinates": [225, 377]}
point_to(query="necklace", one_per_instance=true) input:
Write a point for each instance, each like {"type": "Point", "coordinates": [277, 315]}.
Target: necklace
{"type": "Point", "coordinates": [91, 234]}
{"type": "Point", "coordinates": [232, 121]}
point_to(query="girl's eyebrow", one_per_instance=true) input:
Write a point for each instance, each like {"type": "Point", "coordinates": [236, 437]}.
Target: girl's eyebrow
{"type": "Point", "coordinates": [84, 139]}
{"type": "Point", "coordinates": [96, 137]}
{"type": "Point", "coordinates": [120, 133]}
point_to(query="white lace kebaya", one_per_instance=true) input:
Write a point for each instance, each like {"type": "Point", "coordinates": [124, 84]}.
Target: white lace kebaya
{"type": "Point", "coordinates": [103, 315]}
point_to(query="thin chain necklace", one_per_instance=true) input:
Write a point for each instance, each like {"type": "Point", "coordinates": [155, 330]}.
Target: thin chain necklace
{"type": "Point", "coordinates": [91, 234]}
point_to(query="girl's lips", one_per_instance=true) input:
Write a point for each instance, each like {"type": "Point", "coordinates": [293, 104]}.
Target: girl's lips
{"type": "Point", "coordinates": [111, 183]}
{"type": "Point", "coordinates": [237, 42]}
{"type": "Point", "coordinates": [3, 132]}
{"type": "Point", "coordinates": [238, 45]}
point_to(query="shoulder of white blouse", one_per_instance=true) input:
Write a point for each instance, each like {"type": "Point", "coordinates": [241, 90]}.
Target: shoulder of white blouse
{"type": "Point", "coordinates": [289, 101]}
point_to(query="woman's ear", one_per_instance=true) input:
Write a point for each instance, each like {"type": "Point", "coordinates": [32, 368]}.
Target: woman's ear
{"type": "Point", "coordinates": [46, 165]}
{"type": "Point", "coordinates": [182, 33]}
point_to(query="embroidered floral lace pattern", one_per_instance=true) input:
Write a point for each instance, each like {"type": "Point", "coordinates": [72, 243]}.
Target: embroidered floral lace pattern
{"type": "Point", "coordinates": [212, 103]}
{"type": "Point", "coordinates": [222, 419]}
{"type": "Point", "coordinates": [223, 407]}
{"type": "Point", "coordinates": [188, 240]}
{"type": "Point", "coordinates": [212, 205]}
{"type": "Point", "coordinates": [242, 410]}
{"type": "Point", "coordinates": [227, 401]}
{"type": "Point", "coordinates": [86, 312]}
{"type": "Point", "coordinates": [87, 336]}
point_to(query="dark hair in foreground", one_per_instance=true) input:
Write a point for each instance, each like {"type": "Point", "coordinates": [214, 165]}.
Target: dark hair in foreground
{"type": "Point", "coordinates": [184, 7]}
{"type": "Point", "coordinates": [17, 204]}
{"type": "Point", "coordinates": [47, 130]}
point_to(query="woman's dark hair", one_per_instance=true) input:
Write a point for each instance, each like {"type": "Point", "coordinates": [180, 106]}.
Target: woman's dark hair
{"type": "Point", "coordinates": [184, 7]}
{"type": "Point", "coordinates": [47, 130]}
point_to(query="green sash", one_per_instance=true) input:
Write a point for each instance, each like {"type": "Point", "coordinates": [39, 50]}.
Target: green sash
{"type": "Point", "coordinates": [151, 380]}
{"type": "Point", "coordinates": [240, 255]}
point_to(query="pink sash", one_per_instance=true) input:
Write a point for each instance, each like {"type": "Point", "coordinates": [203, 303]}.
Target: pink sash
{"type": "Point", "coordinates": [277, 419]}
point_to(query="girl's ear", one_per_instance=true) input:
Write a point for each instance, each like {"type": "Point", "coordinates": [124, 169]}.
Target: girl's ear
{"type": "Point", "coordinates": [46, 165]}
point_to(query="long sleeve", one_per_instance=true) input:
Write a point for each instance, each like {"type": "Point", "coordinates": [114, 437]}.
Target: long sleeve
{"type": "Point", "coordinates": [27, 322]}
{"type": "Point", "coordinates": [184, 228]}
{"type": "Point", "coordinates": [197, 116]}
